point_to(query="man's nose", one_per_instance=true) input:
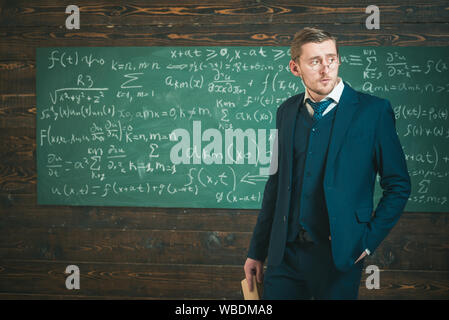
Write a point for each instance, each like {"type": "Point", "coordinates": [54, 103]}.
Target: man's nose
{"type": "Point", "coordinates": [324, 68]}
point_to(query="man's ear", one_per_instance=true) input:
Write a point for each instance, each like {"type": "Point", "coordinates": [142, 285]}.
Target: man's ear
{"type": "Point", "coordinates": [294, 68]}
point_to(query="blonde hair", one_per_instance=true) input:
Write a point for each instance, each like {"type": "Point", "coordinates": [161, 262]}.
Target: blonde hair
{"type": "Point", "coordinates": [307, 35]}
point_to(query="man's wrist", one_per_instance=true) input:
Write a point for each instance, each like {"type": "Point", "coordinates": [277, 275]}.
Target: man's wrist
{"type": "Point", "coordinates": [367, 251]}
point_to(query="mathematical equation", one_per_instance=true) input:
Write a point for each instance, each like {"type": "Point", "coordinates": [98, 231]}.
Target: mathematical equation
{"type": "Point", "coordinates": [193, 126]}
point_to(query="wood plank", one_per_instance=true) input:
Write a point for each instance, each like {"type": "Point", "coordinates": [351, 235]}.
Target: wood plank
{"type": "Point", "coordinates": [18, 145]}
{"type": "Point", "coordinates": [149, 281]}
{"type": "Point", "coordinates": [21, 211]}
{"type": "Point", "coordinates": [49, 13]}
{"type": "Point", "coordinates": [122, 280]}
{"type": "Point", "coordinates": [400, 284]}
{"type": "Point", "coordinates": [18, 149]}
{"type": "Point", "coordinates": [401, 250]}
{"type": "Point", "coordinates": [17, 178]}
{"type": "Point", "coordinates": [136, 246]}
{"type": "Point", "coordinates": [17, 74]}
{"type": "Point", "coordinates": [13, 40]}
{"type": "Point", "coordinates": [426, 250]}
{"type": "Point", "coordinates": [17, 110]}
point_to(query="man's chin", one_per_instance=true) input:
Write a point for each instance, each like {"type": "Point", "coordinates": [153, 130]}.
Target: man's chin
{"type": "Point", "coordinates": [324, 92]}
{"type": "Point", "coordinates": [327, 87]}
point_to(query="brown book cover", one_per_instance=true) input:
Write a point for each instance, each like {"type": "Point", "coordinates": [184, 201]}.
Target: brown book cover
{"type": "Point", "coordinates": [256, 294]}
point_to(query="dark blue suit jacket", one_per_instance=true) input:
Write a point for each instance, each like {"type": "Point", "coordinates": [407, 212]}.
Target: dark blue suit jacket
{"type": "Point", "coordinates": [364, 142]}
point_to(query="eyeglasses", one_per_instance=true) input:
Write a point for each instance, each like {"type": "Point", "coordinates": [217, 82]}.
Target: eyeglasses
{"type": "Point", "coordinates": [316, 63]}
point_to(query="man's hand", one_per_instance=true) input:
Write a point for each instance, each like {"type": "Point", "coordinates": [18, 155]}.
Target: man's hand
{"type": "Point", "coordinates": [361, 257]}
{"type": "Point", "coordinates": [253, 267]}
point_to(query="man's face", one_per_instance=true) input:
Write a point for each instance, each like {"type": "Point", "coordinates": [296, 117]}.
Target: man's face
{"type": "Point", "coordinates": [313, 67]}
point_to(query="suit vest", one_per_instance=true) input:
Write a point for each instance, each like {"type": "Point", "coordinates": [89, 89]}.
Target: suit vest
{"type": "Point", "coordinates": [308, 206]}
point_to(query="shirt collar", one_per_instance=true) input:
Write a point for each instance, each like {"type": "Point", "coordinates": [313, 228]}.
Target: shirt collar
{"type": "Point", "coordinates": [335, 94]}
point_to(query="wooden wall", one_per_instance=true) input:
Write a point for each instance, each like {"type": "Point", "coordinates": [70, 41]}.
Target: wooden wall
{"type": "Point", "coordinates": [156, 253]}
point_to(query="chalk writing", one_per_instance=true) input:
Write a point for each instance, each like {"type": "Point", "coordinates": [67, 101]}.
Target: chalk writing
{"type": "Point", "coordinates": [194, 126]}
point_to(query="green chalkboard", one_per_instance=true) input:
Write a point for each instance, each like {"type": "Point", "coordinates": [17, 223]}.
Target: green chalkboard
{"type": "Point", "coordinates": [194, 126]}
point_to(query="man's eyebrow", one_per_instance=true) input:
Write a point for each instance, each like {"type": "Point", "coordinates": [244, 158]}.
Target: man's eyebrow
{"type": "Point", "coordinates": [327, 55]}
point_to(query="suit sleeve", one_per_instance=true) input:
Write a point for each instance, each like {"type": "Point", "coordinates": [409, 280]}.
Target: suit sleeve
{"type": "Point", "coordinates": [394, 179]}
{"type": "Point", "coordinates": [258, 248]}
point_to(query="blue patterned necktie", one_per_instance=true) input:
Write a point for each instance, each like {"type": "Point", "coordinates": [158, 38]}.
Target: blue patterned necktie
{"type": "Point", "coordinates": [319, 107]}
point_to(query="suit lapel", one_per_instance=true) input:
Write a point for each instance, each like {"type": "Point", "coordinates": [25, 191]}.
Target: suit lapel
{"type": "Point", "coordinates": [346, 109]}
{"type": "Point", "coordinates": [290, 124]}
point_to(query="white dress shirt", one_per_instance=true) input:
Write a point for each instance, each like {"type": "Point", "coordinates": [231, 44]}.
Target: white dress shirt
{"type": "Point", "coordinates": [335, 94]}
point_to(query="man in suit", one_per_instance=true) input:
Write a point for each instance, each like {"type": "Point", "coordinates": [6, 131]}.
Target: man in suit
{"type": "Point", "coordinates": [317, 224]}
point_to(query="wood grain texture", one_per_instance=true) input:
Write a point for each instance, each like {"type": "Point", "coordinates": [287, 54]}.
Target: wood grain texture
{"type": "Point", "coordinates": [140, 235]}
{"type": "Point", "coordinates": [179, 253]}
{"type": "Point", "coordinates": [12, 39]}
{"type": "Point", "coordinates": [28, 278]}
{"type": "Point", "coordinates": [17, 111]}
{"type": "Point", "coordinates": [139, 13]}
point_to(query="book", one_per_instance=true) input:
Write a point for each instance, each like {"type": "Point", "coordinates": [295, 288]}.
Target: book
{"type": "Point", "coordinates": [251, 295]}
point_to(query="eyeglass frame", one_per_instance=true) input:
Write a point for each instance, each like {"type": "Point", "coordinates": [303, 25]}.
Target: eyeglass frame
{"type": "Point", "coordinates": [331, 65]}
